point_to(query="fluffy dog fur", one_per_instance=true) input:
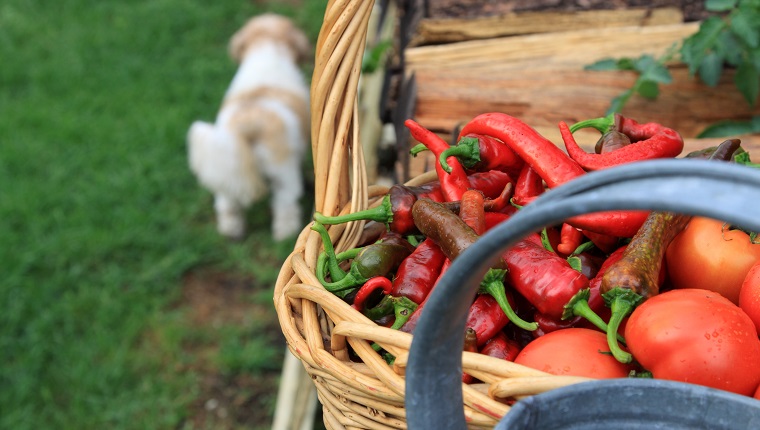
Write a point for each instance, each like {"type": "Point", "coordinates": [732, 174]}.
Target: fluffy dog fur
{"type": "Point", "coordinates": [261, 131]}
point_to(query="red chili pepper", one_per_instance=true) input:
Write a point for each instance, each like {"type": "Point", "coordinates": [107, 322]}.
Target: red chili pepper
{"type": "Point", "coordinates": [486, 317]}
{"type": "Point", "coordinates": [411, 323]}
{"type": "Point", "coordinates": [570, 239]}
{"type": "Point", "coordinates": [454, 183]}
{"type": "Point", "coordinates": [554, 167]}
{"type": "Point", "coordinates": [501, 346]}
{"type": "Point", "coordinates": [495, 218]}
{"type": "Point", "coordinates": [529, 185]}
{"type": "Point", "coordinates": [368, 288]}
{"type": "Point", "coordinates": [550, 162]}
{"type": "Point", "coordinates": [482, 153]}
{"type": "Point", "coordinates": [472, 211]}
{"type": "Point", "coordinates": [546, 280]}
{"type": "Point", "coordinates": [648, 141]}
{"type": "Point", "coordinates": [418, 272]}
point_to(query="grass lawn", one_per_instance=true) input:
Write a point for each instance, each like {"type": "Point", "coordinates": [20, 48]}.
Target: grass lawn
{"type": "Point", "coordinates": [106, 240]}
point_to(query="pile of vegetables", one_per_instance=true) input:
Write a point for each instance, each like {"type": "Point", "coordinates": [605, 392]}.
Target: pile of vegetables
{"type": "Point", "coordinates": [604, 295]}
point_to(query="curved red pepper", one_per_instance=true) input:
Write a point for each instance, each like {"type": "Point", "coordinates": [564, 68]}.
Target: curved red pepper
{"type": "Point", "coordinates": [546, 280]}
{"type": "Point", "coordinates": [649, 141]}
{"type": "Point", "coordinates": [482, 153]}
{"type": "Point", "coordinates": [454, 183]}
{"type": "Point", "coordinates": [529, 185]}
{"type": "Point", "coordinates": [368, 288]}
{"type": "Point", "coordinates": [418, 272]}
{"type": "Point", "coordinates": [550, 162]}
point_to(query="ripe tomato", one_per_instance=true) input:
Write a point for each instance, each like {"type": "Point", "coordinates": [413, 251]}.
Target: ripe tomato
{"type": "Point", "coordinates": [696, 336]}
{"type": "Point", "coordinates": [749, 297]}
{"type": "Point", "coordinates": [573, 351]}
{"type": "Point", "coordinates": [707, 255]}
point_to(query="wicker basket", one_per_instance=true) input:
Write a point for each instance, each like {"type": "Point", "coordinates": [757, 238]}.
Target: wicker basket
{"type": "Point", "coordinates": [318, 326]}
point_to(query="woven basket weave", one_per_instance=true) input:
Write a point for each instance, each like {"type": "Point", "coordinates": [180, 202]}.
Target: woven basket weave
{"type": "Point", "coordinates": [318, 326]}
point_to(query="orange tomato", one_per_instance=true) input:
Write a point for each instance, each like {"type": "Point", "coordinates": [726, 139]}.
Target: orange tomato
{"type": "Point", "coordinates": [749, 297]}
{"type": "Point", "coordinates": [708, 255]}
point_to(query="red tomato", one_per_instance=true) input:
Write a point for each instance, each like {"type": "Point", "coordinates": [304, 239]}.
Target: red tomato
{"type": "Point", "coordinates": [709, 256]}
{"type": "Point", "coordinates": [749, 297]}
{"type": "Point", "coordinates": [696, 336]}
{"type": "Point", "coordinates": [573, 351]}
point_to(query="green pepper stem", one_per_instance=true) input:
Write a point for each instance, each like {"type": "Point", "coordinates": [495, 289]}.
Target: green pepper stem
{"type": "Point", "coordinates": [381, 213]}
{"type": "Point", "coordinates": [336, 273]}
{"type": "Point", "coordinates": [621, 302]}
{"type": "Point", "coordinates": [578, 306]}
{"type": "Point", "coordinates": [493, 284]}
{"type": "Point", "coordinates": [603, 124]}
{"type": "Point", "coordinates": [417, 149]}
{"type": "Point", "coordinates": [467, 150]}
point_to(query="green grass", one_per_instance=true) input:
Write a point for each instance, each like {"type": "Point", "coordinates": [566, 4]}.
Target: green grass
{"type": "Point", "coordinates": [99, 215]}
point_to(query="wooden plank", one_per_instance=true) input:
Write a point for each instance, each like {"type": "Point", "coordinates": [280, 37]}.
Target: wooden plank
{"type": "Point", "coordinates": [448, 30]}
{"type": "Point", "coordinates": [549, 51]}
{"type": "Point", "coordinates": [543, 98]}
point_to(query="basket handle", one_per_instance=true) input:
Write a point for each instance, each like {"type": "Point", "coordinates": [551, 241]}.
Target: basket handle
{"type": "Point", "coordinates": [724, 191]}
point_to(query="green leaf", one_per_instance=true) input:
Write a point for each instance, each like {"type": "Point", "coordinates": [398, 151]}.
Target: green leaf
{"type": "Point", "coordinates": [626, 64]}
{"type": "Point", "coordinates": [742, 26]}
{"type": "Point", "coordinates": [720, 5]}
{"type": "Point", "coordinates": [696, 46]}
{"type": "Point", "coordinates": [728, 47]}
{"type": "Point", "coordinates": [747, 80]}
{"type": "Point", "coordinates": [731, 128]}
{"type": "Point", "coordinates": [648, 89]}
{"type": "Point", "coordinates": [604, 64]}
{"type": "Point", "coordinates": [711, 69]}
{"type": "Point", "coordinates": [657, 72]}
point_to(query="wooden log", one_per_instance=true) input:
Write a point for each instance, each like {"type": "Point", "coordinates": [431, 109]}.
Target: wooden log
{"type": "Point", "coordinates": [448, 30]}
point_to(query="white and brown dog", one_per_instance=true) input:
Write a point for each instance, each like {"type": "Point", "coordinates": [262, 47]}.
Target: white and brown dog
{"type": "Point", "coordinates": [261, 132]}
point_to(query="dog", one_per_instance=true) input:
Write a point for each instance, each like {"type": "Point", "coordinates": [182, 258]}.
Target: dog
{"type": "Point", "coordinates": [260, 137]}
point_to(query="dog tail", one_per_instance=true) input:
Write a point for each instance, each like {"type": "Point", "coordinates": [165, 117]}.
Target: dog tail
{"type": "Point", "coordinates": [223, 163]}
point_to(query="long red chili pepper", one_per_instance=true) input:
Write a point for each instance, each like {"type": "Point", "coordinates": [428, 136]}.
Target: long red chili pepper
{"type": "Point", "coordinates": [529, 185]}
{"type": "Point", "coordinates": [649, 141]}
{"type": "Point", "coordinates": [453, 183]}
{"type": "Point", "coordinates": [554, 167]}
{"type": "Point", "coordinates": [418, 272]}
{"type": "Point", "coordinates": [551, 163]}
{"type": "Point", "coordinates": [482, 153]}
{"type": "Point", "coordinates": [545, 279]}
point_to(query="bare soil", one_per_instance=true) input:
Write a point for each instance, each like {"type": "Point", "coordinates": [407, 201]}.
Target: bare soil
{"type": "Point", "coordinates": [240, 400]}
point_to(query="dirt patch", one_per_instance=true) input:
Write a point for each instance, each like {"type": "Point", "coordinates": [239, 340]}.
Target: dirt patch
{"type": "Point", "coordinates": [230, 396]}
